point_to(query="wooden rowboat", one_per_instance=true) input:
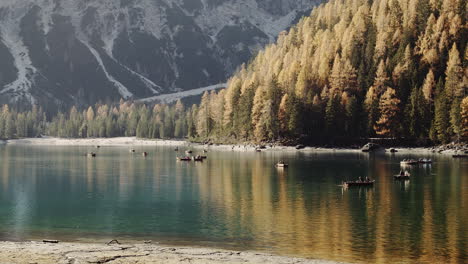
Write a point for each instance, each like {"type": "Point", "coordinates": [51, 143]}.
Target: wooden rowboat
{"type": "Point", "coordinates": [401, 177]}
{"type": "Point", "coordinates": [359, 183]}
{"type": "Point", "coordinates": [281, 165]}
{"type": "Point", "coordinates": [197, 158]}
{"type": "Point", "coordinates": [409, 162]}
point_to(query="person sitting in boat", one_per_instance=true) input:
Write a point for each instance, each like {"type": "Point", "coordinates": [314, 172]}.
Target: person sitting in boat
{"type": "Point", "coordinates": [367, 179]}
{"type": "Point", "coordinates": [360, 179]}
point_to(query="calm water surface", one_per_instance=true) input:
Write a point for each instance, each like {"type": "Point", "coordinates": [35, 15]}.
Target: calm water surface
{"type": "Point", "coordinates": [239, 200]}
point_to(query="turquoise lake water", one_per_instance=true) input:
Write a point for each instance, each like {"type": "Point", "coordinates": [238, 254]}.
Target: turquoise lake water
{"type": "Point", "coordinates": [239, 200]}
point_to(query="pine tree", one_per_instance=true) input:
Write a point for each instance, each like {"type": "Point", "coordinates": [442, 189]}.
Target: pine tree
{"type": "Point", "coordinates": [454, 75]}
{"type": "Point", "coordinates": [203, 123]}
{"type": "Point", "coordinates": [456, 118]}
{"type": "Point", "coordinates": [387, 125]}
{"type": "Point", "coordinates": [441, 122]}
{"type": "Point", "coordinates": [464, 120]}
{"type": "Point", "coordinates": [429, 86]}
{"type": "Point", "coordinates": [283, 118]}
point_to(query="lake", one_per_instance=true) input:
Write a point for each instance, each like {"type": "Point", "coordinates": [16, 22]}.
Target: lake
{"type": "Point", "coordinates": [239, 200]}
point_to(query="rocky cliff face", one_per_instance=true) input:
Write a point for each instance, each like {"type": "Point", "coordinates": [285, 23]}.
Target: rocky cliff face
{"type": "Point", "coordinates": [63, 52]}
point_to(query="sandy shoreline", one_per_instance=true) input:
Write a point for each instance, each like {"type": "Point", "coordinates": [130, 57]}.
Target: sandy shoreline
{"type": "Point", "coordinates": [133, 141]}
{"type": "Point", "coordinates": [77, 253]}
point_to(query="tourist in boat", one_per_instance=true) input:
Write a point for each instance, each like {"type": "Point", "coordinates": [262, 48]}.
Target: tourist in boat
{"type": "Point", "coordinates": [360, 179]}
{"type": "Point", "coordinates": [367, 179]}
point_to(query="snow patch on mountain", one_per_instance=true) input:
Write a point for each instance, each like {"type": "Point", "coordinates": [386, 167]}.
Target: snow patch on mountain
{"type": "Point", "coordinates": [20, 88]}
{"type": "Point", "coordinates": [173, 97]}
{"type": "Point", "coordinates": [141, 48]}
{"type": "Point", "coordinates": [126, 94]}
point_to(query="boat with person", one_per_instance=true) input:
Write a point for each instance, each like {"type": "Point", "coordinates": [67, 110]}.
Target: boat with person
{"type": "Point", "coordinates": [197, 158]}
{"type": "Point", "coordinates": [359, 183]}
{"type": "Point", "coordinates": [404, 175]}
{"type": "Point", "coordinates": [425, 161]}
{"type": "Point", "coordinates": [281, 164]}
{"type": "Point", "coordinates": [409, 162]}
{"type": "Point", "coordinates": [188, 151]}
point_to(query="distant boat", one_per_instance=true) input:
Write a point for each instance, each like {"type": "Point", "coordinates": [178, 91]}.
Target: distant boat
{"type": "Point", "coordinates": [371, 147]}
{"type": "Point", "coordinates": [197, 158]}
{"type": "Point", "coordinates": [184, 159]}
{"type": "Point", "coordinates": [401, 177]}
{"type": "Point", "coordinates": [459, 156]}
{"type": "Point", "coordinates": [409, 162]}
{"type": "Point", "coordinates": [425, 161]}
{"type": "Point", "coordinates": [300, 146]}
{"type": "Point", "coordinates": [145, 154]}
{"type": "Point", "coordinates": [358, 183]}
{"type": "Point", "coordinates": [91, 155]}
{"type": "Point", "coordinates": [176, 149]}
{"type": "Point", "coordinates": [281, 165]}
{"type": "Point", "coordinates": [393, 150]}
{"type": "Point", "coordinates": [188, 151]}
{"type": "Point", "coordinates": [131, 151]}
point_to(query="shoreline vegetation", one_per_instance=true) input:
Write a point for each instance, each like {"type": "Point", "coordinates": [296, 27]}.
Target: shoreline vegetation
{"type": "Point", "coordinates": [135, 142]}
{"type": "Point", "coordinates": [58, 253]}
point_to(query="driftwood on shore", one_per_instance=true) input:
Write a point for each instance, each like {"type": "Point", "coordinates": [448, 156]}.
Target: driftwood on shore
{"type": "Point", "coordinates": [50, 241]}
{"type": "Point", "coordinates": [113, 241]}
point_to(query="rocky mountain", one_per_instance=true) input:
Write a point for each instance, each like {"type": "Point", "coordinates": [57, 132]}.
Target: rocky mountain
{"type": "Point", "coordinates": [56, 53]}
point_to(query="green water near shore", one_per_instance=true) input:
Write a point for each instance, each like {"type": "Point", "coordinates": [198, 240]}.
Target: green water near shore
{"type": "Point", "coordinates": [239, 200]}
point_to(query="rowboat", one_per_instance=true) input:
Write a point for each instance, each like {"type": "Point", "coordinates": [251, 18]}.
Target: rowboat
{"type": "Point", "coordinates": [184, 159]}
{"type": "Point", "coordinates": [197, 158]}
{"type": "Point", "coordinates": [459, 156]}
{"type": "Point", "coordinates": [409, 162]}
{"type": "Point", "coordinates": [425, 161]}
{"type": "Point", "coordinates": [401, 177]}
{"type": "Point", "coordinates": [359, 183]}
{"type": "Point", "coordinates": [282, 165]}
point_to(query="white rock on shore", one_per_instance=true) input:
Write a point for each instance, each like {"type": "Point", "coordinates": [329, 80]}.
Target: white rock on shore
{"type": "Point", "coordinates": [77, 253]}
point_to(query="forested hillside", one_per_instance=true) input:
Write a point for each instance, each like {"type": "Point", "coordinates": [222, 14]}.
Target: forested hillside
{"type": "Point", "coordinates": [352, 69]}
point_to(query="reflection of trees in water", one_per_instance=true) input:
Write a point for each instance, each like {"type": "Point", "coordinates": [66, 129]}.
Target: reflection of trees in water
{"type": "Point", "coordinates": [242, 196]}
{"type": "Point", "coordinates": [392, 221]}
